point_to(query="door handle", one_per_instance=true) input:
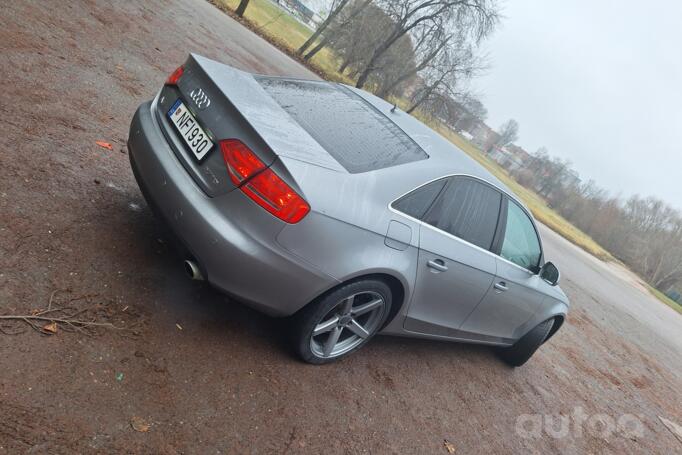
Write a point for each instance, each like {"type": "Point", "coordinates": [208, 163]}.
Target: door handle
{"type": "Point", "coordinates": [501, 286]}
{"type": "Point", "coordinates": [437, 264]}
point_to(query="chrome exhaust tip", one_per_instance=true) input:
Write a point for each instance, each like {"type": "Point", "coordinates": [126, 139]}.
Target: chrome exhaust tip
{"type": "Point", "coordinates": [193, 271]}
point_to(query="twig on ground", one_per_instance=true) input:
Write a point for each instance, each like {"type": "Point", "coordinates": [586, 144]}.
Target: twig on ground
{"type": "Point", "coordinates": [75, 324]}
{"type": "Point", "coordinates": [69, 318]}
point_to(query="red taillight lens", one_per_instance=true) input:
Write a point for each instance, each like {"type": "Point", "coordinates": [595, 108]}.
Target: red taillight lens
{"type": "Point", "coordinates": [261, 184]}
{"type": "Point", "coordinates": [175, 75]}
{"type": "Point", "coordinates": [241, 162]}
{"type": "Point", "coordinates": [270, 192]}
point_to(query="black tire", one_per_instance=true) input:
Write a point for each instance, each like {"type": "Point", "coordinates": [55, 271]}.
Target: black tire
{"type": "Point", "coordinates": [328, 307]}
{"type": "Point", "coordinates": [519, 353]}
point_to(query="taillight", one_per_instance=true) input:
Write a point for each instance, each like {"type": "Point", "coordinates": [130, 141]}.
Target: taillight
{"type": "Point", "coordinates": [241, 162]}
{"type": "Point", "coordinates": [261, 184]}
{"type": "Point", "coordinates": [175, 75]}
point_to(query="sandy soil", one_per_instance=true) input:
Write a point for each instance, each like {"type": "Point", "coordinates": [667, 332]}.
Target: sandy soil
{"type": "Point", "coordinates": [209, 375]}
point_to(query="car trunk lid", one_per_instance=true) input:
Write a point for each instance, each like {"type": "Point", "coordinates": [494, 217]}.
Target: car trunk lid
{"type": "Point", "coordinates": [238, 108]}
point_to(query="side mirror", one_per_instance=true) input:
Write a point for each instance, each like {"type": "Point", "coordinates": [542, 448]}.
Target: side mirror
{"type": "Point", "coordinates": [550, 273]}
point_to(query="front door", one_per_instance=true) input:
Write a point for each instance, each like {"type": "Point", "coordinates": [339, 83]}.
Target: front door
{"type": "Point", "coordinates": [517, 291]}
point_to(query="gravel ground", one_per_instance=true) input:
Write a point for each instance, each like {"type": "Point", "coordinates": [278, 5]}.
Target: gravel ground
{"type": "Point", "coordinates": [203, 374]}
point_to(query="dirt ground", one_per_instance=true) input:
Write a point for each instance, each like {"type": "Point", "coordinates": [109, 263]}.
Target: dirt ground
{"type": "Point", "coordinates": [208, 375]}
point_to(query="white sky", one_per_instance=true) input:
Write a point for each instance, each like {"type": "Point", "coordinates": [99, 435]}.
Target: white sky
{"type": "Point", "coordinates": [598, 82]}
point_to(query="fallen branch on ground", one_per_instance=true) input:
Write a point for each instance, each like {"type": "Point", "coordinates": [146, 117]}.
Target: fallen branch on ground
{"type": "Point", "coordinates": [69, 318]}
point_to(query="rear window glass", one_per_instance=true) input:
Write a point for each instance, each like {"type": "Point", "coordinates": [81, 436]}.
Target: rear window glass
{"type": "Point", "coordinates": [350, 129]}
{"type": "Point", "coordinates": [418, 201]}
{"type": "Point", "coordinates": [467, 209]}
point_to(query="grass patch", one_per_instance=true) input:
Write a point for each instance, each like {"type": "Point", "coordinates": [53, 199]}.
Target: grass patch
{"type": "Point", "coordinates": [664, 298]}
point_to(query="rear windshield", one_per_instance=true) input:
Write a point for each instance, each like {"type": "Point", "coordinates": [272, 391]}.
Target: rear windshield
{"type": "Point", "coordinates": [353, 131]}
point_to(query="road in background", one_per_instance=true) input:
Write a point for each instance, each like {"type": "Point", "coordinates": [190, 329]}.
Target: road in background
{"type": "Point", "coordinates": [209, 375]}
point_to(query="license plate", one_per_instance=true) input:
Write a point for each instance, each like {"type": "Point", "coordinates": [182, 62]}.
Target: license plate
{"type": "Point", "coordinates": [191, 132]}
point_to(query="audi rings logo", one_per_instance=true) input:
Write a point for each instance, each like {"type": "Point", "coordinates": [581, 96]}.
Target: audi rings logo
{"type": "Point", "coordinates": [200, 98]}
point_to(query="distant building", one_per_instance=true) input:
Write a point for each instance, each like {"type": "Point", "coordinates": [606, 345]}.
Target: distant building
{"type": "Point", "coordinates": [511, 157]}
{"type": "Point", "coordinates": [483, 136]}
{"type": "Point", "coordinates": [466, 135]}
{"type": "Point", "coordinates": [301, 11]}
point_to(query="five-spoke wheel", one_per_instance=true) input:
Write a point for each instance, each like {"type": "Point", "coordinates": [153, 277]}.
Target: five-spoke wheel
{"type": "Point", "coordinates": [342, 321]}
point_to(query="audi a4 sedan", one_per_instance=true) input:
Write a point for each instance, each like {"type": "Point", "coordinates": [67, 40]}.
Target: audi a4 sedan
{"type": "Point", "coordinates": [326, 204]}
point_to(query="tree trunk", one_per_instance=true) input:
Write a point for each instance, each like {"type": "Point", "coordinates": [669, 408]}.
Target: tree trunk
{"type": "Point", "coordinates": [423, 98]}
{"type": "Point", "coordinates": [316, 49]}
{"type": "Point", "coordinates": [322, 27]}
{"type": "Point", "coordinates": [385, 91]}
{"type": "Point", "coordinates": [343, 66]}
{"type": "Point", "coordinates": [369, 68]}
{"type": "Point", "coordinates": [666, 283]}
{"type": "Point", "coordinates": [242, 7]}
{"type": "Point", "coordinates": [423, 64]}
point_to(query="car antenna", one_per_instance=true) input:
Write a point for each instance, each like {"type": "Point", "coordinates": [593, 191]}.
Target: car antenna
{"type": "Point", "coordinates": [393, 108]}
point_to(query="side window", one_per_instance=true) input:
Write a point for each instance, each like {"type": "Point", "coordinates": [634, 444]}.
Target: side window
{"type": "Point", "coordinates": [521, 245]}
{"type": "Point", "coordinates": [418, 201]}
{"type": "Point", "coordinates": [467, 209]}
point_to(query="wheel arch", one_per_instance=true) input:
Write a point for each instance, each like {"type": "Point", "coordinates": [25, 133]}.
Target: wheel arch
{"type": "Point", "coordinates": [554, 309]}
{"type": "Point", "coordinates": [558, 322]}
{"type": "Point", "coordinates": [398, 285]}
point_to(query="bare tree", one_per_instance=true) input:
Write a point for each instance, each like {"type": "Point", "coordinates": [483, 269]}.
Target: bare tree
{"type": "Point", "coordinates": [509, 132]}
{"type": "Point", "coordinates": [429, 42]}
{"type": "Point", "coordinates": [443, 75]}
{"type": "Point", "coordinates": [353, 39]}
{"type": "Point", "coordinates": [643, 232]}
{"type": "Point", "coordinates": [473, 106]}
{"type": "Point", "coordinates": [242, 8]}
{"type": "Point", "coordinates": [335, 10]}
{"type": "Point", "coordinates": [461, 111]}
{"type": "Point", "coordinates": [477, 17]}
{"type": "Point", "coordinates": [343, 21]}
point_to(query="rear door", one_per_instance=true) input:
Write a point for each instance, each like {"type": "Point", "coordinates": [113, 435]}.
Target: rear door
{"type": "Point", "coordinates": [455, 267]}
{"type": "Point", "coordinates": [516, 294]}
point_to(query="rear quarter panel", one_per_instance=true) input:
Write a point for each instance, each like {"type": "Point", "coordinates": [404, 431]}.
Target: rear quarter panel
{"type": "Point", "coordinates": [345, 251]}
{"type": "Point", "coordinates": [344, 235]}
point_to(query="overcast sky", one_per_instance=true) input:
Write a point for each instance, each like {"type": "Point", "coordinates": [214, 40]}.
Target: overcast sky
{"type": "Point", "coordinates": [597, 82]}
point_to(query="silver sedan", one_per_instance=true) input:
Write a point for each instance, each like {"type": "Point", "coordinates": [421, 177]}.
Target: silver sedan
{"type": "Point", "coordinates": [325, 204]}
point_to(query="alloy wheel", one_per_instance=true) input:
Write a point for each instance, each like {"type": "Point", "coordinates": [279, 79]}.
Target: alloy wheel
{"type": "Point", "coordinates": [348, 324]}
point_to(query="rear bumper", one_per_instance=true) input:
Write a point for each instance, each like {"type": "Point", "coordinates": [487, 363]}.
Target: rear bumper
{"type": "Point", "coordinates": [231, 238]}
